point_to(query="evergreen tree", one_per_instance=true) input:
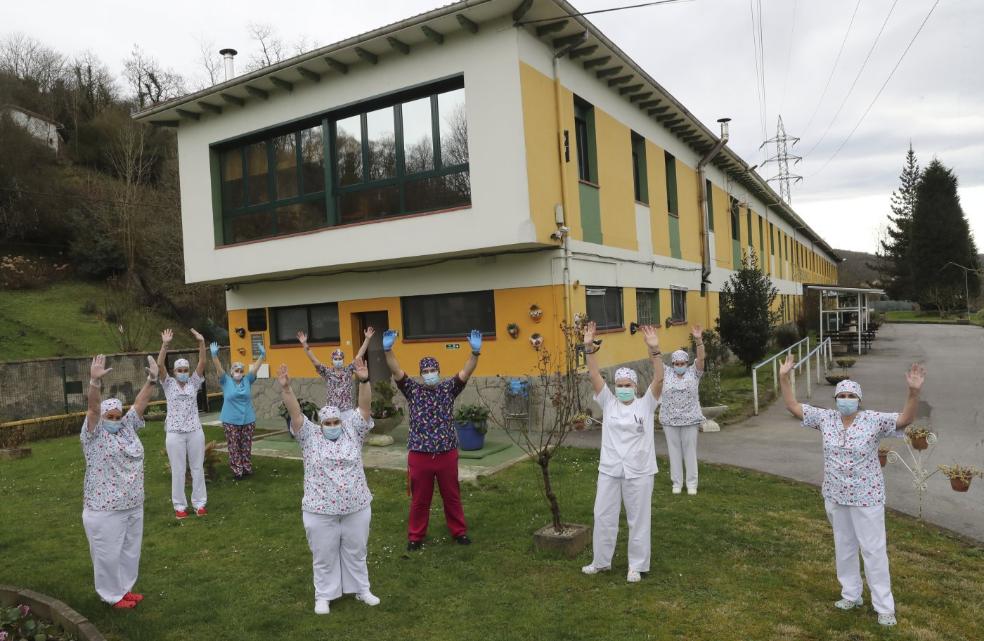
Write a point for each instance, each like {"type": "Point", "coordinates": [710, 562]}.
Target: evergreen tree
{"type": "Point", "coordinates": [940, 235]}
{"type": "Point", "coordinates": [893, 263]}
{"type": "Point", "coordinates": [747, 317]}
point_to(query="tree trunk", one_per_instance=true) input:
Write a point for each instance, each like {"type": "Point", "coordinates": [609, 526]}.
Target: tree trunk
{"type": "Point", "coordinates": [544, 462]}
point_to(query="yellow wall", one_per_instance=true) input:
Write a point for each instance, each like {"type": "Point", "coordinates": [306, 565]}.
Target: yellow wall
{"type": "Point", "coordinates": [722, 227]}
{"type": "Point", "coordinates": [689, 204]}
{"type": "Point", "coordinates": [614, 145]}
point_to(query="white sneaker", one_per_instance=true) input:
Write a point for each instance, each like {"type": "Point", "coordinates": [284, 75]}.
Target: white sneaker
{"type": "Point", "coordinates": [321, 606]}
{"type": "Point", "coordinates": [847, 604]}
{"type": "Point", "coordinates": [590, 569]}
{"type": "Point", "coordinates": [676, 490]}
{"type": "Point", "coordinates": [692, 491]}
{"type": "Point", "coordinates": [886, 619]}
{"type": "Point", "coordinates": [368, 598]}
{"type": "Point", "coordinates": [633, 577]}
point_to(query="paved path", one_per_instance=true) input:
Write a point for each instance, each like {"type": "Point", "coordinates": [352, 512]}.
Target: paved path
{"type": "Point", "coordinates": [952, 404]}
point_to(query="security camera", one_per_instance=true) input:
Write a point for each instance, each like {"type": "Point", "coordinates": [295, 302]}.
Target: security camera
{"type": "Point", "coordinates": [560, 233]}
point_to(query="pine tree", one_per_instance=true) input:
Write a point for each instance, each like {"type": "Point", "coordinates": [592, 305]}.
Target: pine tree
{"type": "Point", "coordinates": [940, 234]}
{"type": "Point", "coordinates": [747, 318]}
{"type": "Point", "coordinates": [893, 263]}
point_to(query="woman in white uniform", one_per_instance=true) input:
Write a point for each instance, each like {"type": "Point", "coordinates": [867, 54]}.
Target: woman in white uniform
{"type": "Point", "coordinates": [853, 486]}
{"type": "Point", "coordinates": [336, 505]}
{"type": "Point", "coordinates": [113, 495]}
{"type": "Point", "coordinates": [680, 413]}
{"type": "Point", "coordinates": [185, 440]}
{"type": "Point", "coordinates": [628, 458]}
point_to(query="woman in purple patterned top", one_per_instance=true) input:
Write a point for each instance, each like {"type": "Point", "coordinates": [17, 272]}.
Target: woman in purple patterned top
{"type": "Point", "coordinates": [338, 377]}
{"type": "Point", "coordinates": [853, 486]}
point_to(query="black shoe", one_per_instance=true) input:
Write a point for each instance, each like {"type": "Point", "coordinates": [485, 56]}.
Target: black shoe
{"type": "Point", "coordinates": [463, 539]}
{"type": "Point", "coordinates": [237, 477]}
{"type": "Point", "coordinates": [413, 546]}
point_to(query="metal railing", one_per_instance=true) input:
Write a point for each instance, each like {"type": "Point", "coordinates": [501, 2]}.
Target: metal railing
{"type": "Point", "coordinates": [798, 346]}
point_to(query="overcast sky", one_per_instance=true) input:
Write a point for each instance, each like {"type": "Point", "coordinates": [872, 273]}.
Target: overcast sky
{"type": "Point", "coordinates": [701, 51]}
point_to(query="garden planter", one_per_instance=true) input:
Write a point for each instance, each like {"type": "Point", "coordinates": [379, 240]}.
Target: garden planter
{"type": "Point", "coordinates": [882, 458]}
{"type": "Point", "coordinates": [959, 485]}
{"type": "Point", "coordinates": [12, 453]}
{"type": "Point", "coordinates": [845, 362]}
{"type": "Point", "coordinates": [386, 425]}
{"type": "Point", "coordinates": [469, 436]}
{"type": "Point", "coordinates": [833, 379]}
{"type": "Point", "coordinates": [51, 609]}
{"type": "Point", "coordinates": [569, 542]}
{"type": "Point", "coordinates": [711, 413]}
{"type": "Point", "coordinates": [919, 443]}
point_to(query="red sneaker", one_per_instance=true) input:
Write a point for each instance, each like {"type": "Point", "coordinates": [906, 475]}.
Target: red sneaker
{"type": "Point", "coordinates": [123, 604]}
{"type": "Point", "coordinates": [201, 511]}
{"type": "Point", "coordinates": [133, 596]}
{"type": "Point", "coordinates": [180, 514]}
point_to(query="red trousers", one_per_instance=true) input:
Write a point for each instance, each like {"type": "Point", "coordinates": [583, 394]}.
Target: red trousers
{"type": "Point", "coordinates": [423, 468]}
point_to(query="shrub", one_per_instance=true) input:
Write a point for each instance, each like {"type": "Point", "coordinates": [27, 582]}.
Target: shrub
{"type": "Point", "coordinates": [747, 318]}
{"type": "Point", "coordinates": [709, 389]}
{"type": "Point", "coordinates": [786, 335]}
{"type": "Point", "coordinates": [477, 415]}
{"type": "Point", "coordinates": [382, 405]}
{"type": "Point", "coordinates": [715, 352]}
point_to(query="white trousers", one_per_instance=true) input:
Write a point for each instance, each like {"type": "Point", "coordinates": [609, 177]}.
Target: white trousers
{"type": "Point", "coordinates": [637, 495]}
{"type": "Point", "coordinates": [114, 545]}
{"type": "Point", "coordinates": [338, 545]}
{"type": "Point", "coordinates": [862, 527]}
{"type": "Point", "coordinates": [681, 443]}
{"type": "Point", "coordinates": [186, 449]}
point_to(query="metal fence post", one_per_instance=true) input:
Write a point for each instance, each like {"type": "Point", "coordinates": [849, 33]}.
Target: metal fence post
{"type": "Point", "coordinates": [809, 389]}
{"type": "Point", "coordinates": [64, 378]}
{"type": "Point", "coordinates": [755, 391]}
{"type": "Point", "coordinates": [775, 377]}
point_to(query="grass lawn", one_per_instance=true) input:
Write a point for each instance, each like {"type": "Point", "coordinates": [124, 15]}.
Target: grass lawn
{"type": "Point", "coordinates": [49, 322]}
{"type": "Point", "coordinates": [908, 316]}
{"type": "Point", "coordinates": [750, 558]}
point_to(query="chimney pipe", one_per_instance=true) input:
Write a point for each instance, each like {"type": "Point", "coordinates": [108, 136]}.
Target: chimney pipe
{"type": "Point", "coordinates": [230, 69]}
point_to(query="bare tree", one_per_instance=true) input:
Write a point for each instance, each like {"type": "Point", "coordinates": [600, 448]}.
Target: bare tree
{"type": "Point", "coordinates": [29, 59]}
{"type": "Point", "coordinates": [272, 47]}
{"type": "Point", "coordinates": [132, 162]}
{"type": "Point", "coordinates": [211, 62]}
{"type": "Point", "coordinates": [149, 81]}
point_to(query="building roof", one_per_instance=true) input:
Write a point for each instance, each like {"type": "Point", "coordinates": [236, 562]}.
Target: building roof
{"type": "Point", "coordinates": [33, 114]}
{"type": "Point", "coordinates": [555, 22]}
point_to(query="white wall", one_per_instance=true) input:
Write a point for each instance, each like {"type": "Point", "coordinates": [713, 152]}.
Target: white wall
{"type": "Point", "coordinates": [499, 215]}
{"type": "Point", "coordinates": [46, 132]}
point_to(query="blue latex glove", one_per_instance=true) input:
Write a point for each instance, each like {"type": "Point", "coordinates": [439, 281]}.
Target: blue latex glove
{"type": "Point", "coordinates": [389, 337]}
{"type": "Point", "coordinates": [261, 350]}
{"type": "Point", "coordinates": [475, 340]}
{"type": "Point", "coordinates": [214, 348]}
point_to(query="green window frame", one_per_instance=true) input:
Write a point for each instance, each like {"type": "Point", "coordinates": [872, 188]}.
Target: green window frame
{"type": "Point", "coordinates": [761, 233]}
{"type": "Point", "coordinates": [709, 194]}
{"type": "Point", "coordinates": [604, 306]}
{"type": "Point", "coordinates": [772, 242]}
{"type": "Point", "coordinates": [647, 307]}
{"type": "Point", "coordinates": [749, 225]}
{"type": "Point", "coordinates": [585, 141]}
{"type": "Point", "coordinates": [672, 202]}
{"type": "Point", "coordinates": [735, 220]}
{"type": "Point", "coordinates": [678, 301]}
{"type": "Point", "coordinates": [640, 183]}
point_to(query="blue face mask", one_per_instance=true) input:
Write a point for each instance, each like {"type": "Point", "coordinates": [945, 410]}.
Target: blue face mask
{"type": "Point", "coordinates": [680, 369]}
{"type": "Point", "coordinates": [625, 394]}
{"type": "Point", "coordinates": [338, 362]}
{"type": "Point", "coordinates": [432, 378]}
{"type": "Point", "coordinates": [331, 433]}
{"type": "Point", "coordinates": [111, 426]}
{"type": "Point", "coordinates": [847, 406]}
{"type": "Point", "coordinates": [182, 377]}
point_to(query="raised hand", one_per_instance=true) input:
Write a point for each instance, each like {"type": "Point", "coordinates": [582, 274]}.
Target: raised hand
{"type": "Point", "coordinates": [198, 337]}
{"type": "Point", "coordinates": [370, 332]}
{"type": "Point", "coordinates": [302, 338]}
{"type": "Point", "coordinates": [651, 335]}
{"type": "Point", "coordinates": [98, 368]}
{"type": "Point", "coordinates": [167, 336]}
{"type": "Point", "coordinates": [152, 369]}
{"type": "Point", "coordinates": [361, 369]}
{"type": "Point", "coordinates": [589, 332]}
{"type": "Point", "coordinates": [282, 376]}
{"type": "Point", "coordinates": [787, 365]}
{"type": "Point", "coordinates": [475, 340]}
{"type": "Point", "coordinates": [915, 377]}
{"type": "Point", "coordinates": [389, 337]}
{"type": "Point", "coordinates": [261, 350]}
{"type": "Point", "coordinates": [214, 348]}
{"type": "Point", "coordinates": [697, 332]}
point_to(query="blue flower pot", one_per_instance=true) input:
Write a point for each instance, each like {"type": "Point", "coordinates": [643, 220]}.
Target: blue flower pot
{"type": "Point", "coordinates": [469, 438]}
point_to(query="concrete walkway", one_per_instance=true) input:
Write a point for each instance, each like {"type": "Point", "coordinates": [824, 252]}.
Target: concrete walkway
{"type": "Point", "coordinates": [952, 405]}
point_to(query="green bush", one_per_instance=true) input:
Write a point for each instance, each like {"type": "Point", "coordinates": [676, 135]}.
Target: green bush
{"type": "Point", "coordinates": [787, 335]}
{"type": "Point", "coordinates": [477, 415]}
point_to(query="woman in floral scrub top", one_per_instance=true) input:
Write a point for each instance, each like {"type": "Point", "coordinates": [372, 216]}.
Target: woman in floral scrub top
{"type": "Point", "coordinates": [338, 377]}
{"type": "Point", "coordinates": [853, 487]}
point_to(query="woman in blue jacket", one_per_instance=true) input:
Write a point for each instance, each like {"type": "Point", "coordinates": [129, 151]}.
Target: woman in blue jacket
{"type": "Point", "coordinates": [238, 417]}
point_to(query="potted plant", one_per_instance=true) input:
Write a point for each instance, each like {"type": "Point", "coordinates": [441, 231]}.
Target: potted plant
{"type": "Point", "coordinates": [536, 340]}
{"type": "Point", "coordinates": [581, 421]}
{"type": "Point", "coordinates": [308, 409]}
{"type": "Point", "coordinates": [845, 361]}
{"type": "Point", "coordinates": [385, 415]}
{"type": "Point", "coordinates": [883, 455]}
{"type": "Point", "coordinates": [960, 476]}
{"type": "Point", "coordinates": [834, 378]}
{"type": "Point", "coordinates": [513, 330]}
{"type": "Point", "coordinates": [918, 437]}
{"type": "Point", "coordinates": [471, 422]}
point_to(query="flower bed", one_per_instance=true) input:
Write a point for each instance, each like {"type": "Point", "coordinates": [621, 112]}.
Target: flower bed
{"type": "Point", "coordinates": [26, 614]}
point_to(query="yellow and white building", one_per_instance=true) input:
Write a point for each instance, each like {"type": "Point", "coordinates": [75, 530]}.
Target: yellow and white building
{"type": "Point", "coordinates": [453, 170]}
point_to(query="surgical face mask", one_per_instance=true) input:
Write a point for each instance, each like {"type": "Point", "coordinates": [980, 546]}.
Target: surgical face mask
{"type": "Point", "coordinates": [338, 362]}
{"type": "Point", "coordinates": [111, 426]}
{"type": "Point", "coordinates": [182, 377]}
{"type": "Point", "coordinates": [431, 378]}
{"type": "Point", "coordinates": [625, 394]}
{"type": "Point", "coordinates": [680, 369]}
{"type": "Point", "coordinates": [847, 406]}
{"type": "Point", "coordinates": [332, 432]}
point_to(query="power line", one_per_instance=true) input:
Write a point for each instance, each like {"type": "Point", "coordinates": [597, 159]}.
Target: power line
{"type": "Point", "coordinates": [588, 13]}
{"type": "Point", "coordinates": [880, 89]}
{"type": "Point", "coordinates": [856, 78]}
{"type": "Point", "coordinates": [830, 77]}
{"type": "Point", "coordinates": [758, 50]}
{"type": "Point", "coordinates": [789, 57]}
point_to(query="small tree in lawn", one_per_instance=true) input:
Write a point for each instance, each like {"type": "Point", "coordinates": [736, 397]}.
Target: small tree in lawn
{"type": "Point", "coordinates": [747, 317]}
{"type": "Point", "coordinates": [555, 399]}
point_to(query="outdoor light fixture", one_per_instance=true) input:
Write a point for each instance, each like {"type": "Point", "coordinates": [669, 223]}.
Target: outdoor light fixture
{"type": "Point", "coordinates": [241, 332]}
{"type": "Point", "coordinates": [633, 328]}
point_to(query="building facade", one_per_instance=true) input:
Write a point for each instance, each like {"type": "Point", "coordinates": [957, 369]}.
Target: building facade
{"type": "Point", "coordinates": [459, 170]}
{"type": "Point", "coordinates": [41, 127]}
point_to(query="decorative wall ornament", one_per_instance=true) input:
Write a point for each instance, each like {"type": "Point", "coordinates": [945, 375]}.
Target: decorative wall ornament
{"type": "Point", "coordinates": [536, 340]}
{"type": "Point", "coordinates": [513, 330]}
{"type": "Point", "coordinates": [536, 313]}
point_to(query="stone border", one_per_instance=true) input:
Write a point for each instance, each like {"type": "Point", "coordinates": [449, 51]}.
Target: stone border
{"type": "Point", "coordinates": [53, 610]}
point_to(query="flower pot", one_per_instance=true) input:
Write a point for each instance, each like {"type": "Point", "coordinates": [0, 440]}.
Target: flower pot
{"type": "Point", "coordinates": [711, 413]}
{"type": "Point", "coordinates": [569, 542]}
{"type": "Point", "coordinates": [386, 425]}
{"type": "Point", "coordinates": [469, 438]}
{"type": "Point", "coordinates": [833, 379]}
{"type": "Point", "coordinates": [959, 485]}
{"type": "Point", "coordinates": [882, 458]}
{"type": "Point", "coordinates": [919, 443]}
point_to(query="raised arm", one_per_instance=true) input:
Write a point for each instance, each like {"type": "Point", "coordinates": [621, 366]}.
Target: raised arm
{"type": "Point", "coordinates": [597, 382]}
{"type": "Point", "coordinates": [94, 397]}
{"type": "Point", "coordinates": [651, 335]}
{"type": "Point", "coordinates": [389, 337]}
{"type": "Point", "coordinates": [475, 341]}
{"type": "Point", "coordinates": [698, 333]}
{"type": "Point", "coordinates": [200, 369]}
{"type": "Point", "coordinates": [915, 377]}
{"type": "Point", "coordinates": [143, 396]}
{"type": "Point", "coordinates": [302, 338]}
{"type": "Point", "coordinates": [259, 359]}
{"type": "Point", "coordinates": [365, 388]}
{"type": "Point", "coordinates": [214, 348]}
{"type": "Point", "coordinates": [370, 332]}
{"type": "Point", "coordinates": [290, 401]}
{"type": "Point", "coordinates": [166, 336]}
{"type": "Point", "coordinates": [788, 393]}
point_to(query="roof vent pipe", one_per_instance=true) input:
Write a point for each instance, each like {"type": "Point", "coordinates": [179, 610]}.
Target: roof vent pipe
{"type": "Point", "coordinates": [230, 68]}
{"type": "Point", "coordinates": [705, 241]}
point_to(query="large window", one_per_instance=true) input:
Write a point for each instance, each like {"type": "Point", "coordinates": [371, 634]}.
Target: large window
{"type": "Point", "coordinates": [647, 307]}
{"type": "Point", "coordinates": [671, 184]}
{"type": "Point", "coordinates": [448, 315]}
{"type": "Point", "coordinates": [319, 322]}
{"type": "Point", "coordinates": [256, 319]}
{"type": "Point", "coordinates": [709, 193]}
{"type": "Point", "coordinates": [640, 185]}
{"type": "Point", "coordinates": [678, 297]}
{"type": "Point", "coordinates": [604, 306]}
{"type": "Point", "coordinates": [402, 154]}
{"type": "Point", "coordinates": [584, 139]}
